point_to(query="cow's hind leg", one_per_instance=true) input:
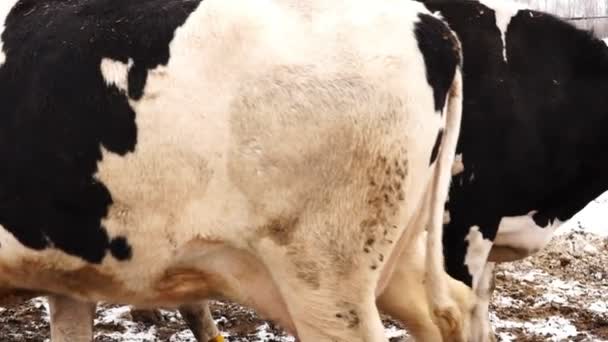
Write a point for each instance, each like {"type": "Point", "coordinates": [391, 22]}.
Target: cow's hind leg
{"type": "Point", "coordinates": [405, 300]}
{"type": "Point", "coordinates": [480, 320]}
{"type": "Point", "coordinates": [200, 321]}
{"type": "Point", "coordinates": [333, 312]}
{"type": "Point", "coordinates": [71, 319]}
{"type": "Point", "coordinates": [328, 283]}
{"type": "Point", "coordinates": [404, 297]}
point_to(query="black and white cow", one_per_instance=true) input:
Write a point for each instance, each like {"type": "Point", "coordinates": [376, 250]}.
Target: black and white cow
{"type": "Point", "coordinates": [532, 150]}
{"type": "Point", "coordinates": [283, 154]}
{"type": "Point", "coordinates": [532, 132]}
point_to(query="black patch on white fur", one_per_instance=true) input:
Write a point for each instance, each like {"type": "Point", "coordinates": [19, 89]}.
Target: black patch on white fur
{"type": "Point", "coordinates": [120, 248]}
{"type": "Point", "coordinates": [436, 146]}
{"type": "Point", "coordinates": [441, 57]}
{"type": "Point", "coordinates": [56, 112]}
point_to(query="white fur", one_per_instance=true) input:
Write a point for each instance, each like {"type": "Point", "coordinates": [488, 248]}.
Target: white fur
{"type": "Point", "coordinates": [116, 73]}
{"type": "Point", "coordinates": [458, 166]}
{"type": "Point", "coordinates": [5, 8]}
{"type": "Point", "coordinates": [480, 320]}
{"type": "Point", "coordinates": [521, 232]}
{"type": "Point", "coordinates": [477, 253]}
{"type": "Point", "coordinates": [504, 10]}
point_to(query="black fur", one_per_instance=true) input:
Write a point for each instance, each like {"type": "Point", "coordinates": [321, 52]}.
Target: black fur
{"type": "Point", "coordinates": [533, 129]}
{"type": "Point", "coordinates": [441, 57]}
{"type": "Point", "coordinates": [56, 112]}
{"type": "Point", "coordinates": [436, 146]}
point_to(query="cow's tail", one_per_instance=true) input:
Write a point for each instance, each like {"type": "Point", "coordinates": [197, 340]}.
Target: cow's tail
{"type": "Point", "coordinates": [443, 308]}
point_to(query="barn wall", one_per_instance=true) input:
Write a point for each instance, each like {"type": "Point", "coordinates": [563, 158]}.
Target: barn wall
{"type": "Point", "coordinates": [576, 8]}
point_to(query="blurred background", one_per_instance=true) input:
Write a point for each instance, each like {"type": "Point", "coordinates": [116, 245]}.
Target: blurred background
{"type": "Point", "coordinates": [588, 14]}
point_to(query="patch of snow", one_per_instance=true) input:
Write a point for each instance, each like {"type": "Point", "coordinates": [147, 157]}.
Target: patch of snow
{"type": "Point", "coordinates": [554, 328]}
{"type": "Point", "coordinates": [119, 316]}
{"type": "Point", "coordinates": [264, 334]}
{"type": "Point", "coordinates": [599, 307]}
{"type": "Point", "coordinates": [393, 332]}
{"type": "Point", "coordinates": [592, 219]}
{"type": "Point", "coordinates": [506, 337]}
{"type": "Point", "coordinates": [506, 301]}
{"type": "Point", "coordinates": [590, 249]}
{"type": "Point", "coordinates": [133, 336]}
{"type": "Point", "coordinates": [172, 316]}
{"type": "Point", "coordinates": [556, 290]}
{"type": "Point", "coordinates": [529, 276]}
{"type": "Point", "coordinates": [182, 336]}
{"type": "Point", "coordinates": [551, 298]}
{"type": "Point", "coordinates": [222, 319]}
{"type": "Point", "coordinates": [498, 323]}
{"type": "Point", "coordinates": [570, 289]}
{"type": "Point", "coordinates": [39, 303]}
{"type": "Point", "coordinates": [558, 327]}
{"type": "Point", "coordinates": [113, 315]}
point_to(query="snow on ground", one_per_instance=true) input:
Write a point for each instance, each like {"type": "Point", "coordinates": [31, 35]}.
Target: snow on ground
{"type": "Point", "coordinates": [561, 293]}
{"type": "Point", "coordinates": [129, 331]}
{"type": "Point", "coordinates": [593, 219]}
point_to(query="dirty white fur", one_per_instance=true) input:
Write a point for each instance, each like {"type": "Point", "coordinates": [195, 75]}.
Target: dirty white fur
{"type": "Point", "coordinates": [477, 253]}
{"type": "Point", "coordinates": [263, 114]}
{"type": "Point", "coordinates": [504, 11]}
{"type": "Point", "coordinates": [481, 322]}
{"type": "Point", "coordinates": [411, 307]}
{"type": "Point", "coordinates": [5, 8]}
{"type": "Point", "coordinates": [522, 233]}
{"type": "Point", "coordinates": [458, 166]}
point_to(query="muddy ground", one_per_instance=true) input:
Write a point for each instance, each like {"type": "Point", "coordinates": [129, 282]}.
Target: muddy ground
{"type": "Point", "coordinates": [560, 294]}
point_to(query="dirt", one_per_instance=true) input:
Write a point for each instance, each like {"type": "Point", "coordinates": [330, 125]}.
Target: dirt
{"type": "Point", "coordinates": [559, 294]}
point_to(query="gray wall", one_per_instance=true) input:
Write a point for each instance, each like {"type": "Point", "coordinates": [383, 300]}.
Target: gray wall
{"type": "Point", "coordinates": [576, 8]}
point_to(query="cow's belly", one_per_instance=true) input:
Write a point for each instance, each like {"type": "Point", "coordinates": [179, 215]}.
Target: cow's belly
{"type": "Point", "coordinates": [201, 269]}
{"type": "Point", "coordinates": [519, 236]}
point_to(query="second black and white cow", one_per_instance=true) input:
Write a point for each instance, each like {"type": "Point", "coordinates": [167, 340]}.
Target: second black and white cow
{"type": "Point", "coordinates": [532, 150]}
